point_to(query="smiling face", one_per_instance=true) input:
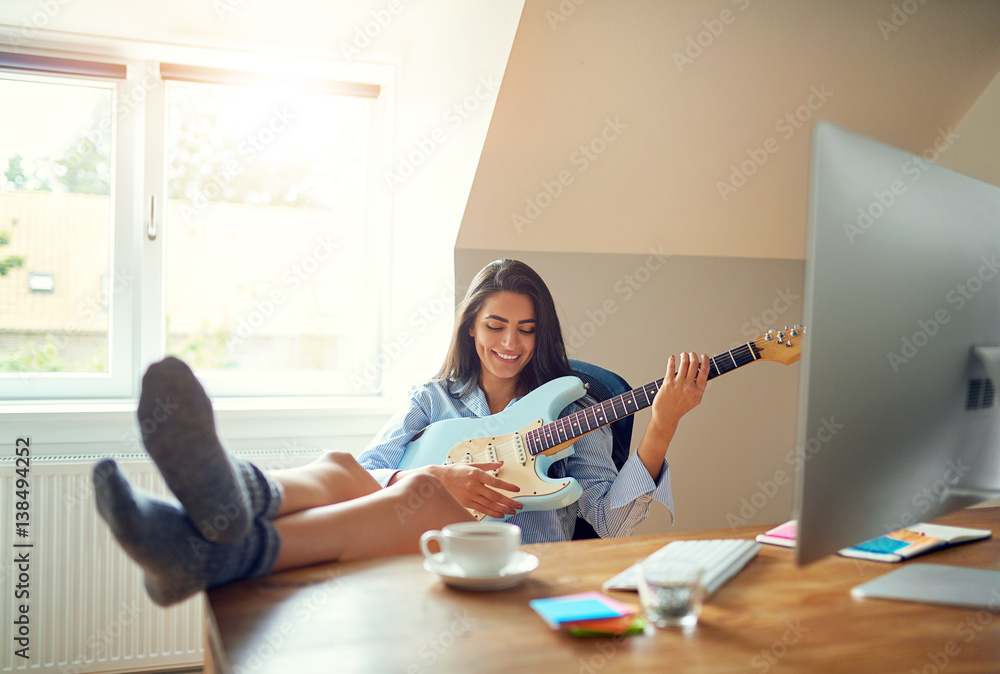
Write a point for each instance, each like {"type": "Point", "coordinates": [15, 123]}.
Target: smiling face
{"type": "Point", "coordinates": [504, 334]}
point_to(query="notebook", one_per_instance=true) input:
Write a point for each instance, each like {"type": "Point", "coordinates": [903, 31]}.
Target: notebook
{"type": "Point", "coordinates": [892, 547]}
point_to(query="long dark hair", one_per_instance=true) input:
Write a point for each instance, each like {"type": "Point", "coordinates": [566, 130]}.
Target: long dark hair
{"type": "Point", "coordinates": [461, 368]}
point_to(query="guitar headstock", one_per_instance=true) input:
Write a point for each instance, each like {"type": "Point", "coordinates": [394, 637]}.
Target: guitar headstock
{"type": "Point", "coordinates": [783, 346]}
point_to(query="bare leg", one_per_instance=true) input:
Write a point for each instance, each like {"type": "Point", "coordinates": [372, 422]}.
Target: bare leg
{"type": "Point", "coordinates": [332, 478]}
{"type": "Point", "coordinates": [386, 522]}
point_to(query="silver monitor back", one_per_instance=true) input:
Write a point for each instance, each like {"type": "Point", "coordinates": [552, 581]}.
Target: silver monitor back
{"type": "Point", "coordinates": [896, 422]}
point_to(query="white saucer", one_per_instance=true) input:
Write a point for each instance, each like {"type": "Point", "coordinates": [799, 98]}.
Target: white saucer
{"type": "Point", "coordinates": [509, 576]}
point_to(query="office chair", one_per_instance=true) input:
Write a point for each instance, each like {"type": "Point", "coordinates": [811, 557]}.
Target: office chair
{"type": "Point", "coordinates": [601, 385]}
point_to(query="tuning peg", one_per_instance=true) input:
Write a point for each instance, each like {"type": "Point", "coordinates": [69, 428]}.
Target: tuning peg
{"type": "Point", "coordinates": [788, 343]}
{"type": "Point", "coordinates": [794, 332]}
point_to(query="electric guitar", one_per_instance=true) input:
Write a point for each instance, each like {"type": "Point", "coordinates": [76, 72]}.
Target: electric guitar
{"type": "Point", "coordinates": [529, 436]}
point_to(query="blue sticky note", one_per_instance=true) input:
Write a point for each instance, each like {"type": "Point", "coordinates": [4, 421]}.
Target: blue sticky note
{"type": "Point", "coordinates": [584, 606]}
{"type": "Point", "coordinates": [882, 545]}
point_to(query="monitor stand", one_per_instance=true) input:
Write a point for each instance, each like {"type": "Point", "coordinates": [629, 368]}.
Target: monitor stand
{"type": "Point", "coordinates": [937, 584]}
{"type": "Point", "coordinates": [941, 583]}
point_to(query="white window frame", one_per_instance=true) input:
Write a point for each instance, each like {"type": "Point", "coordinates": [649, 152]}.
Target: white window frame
{"type": "Point", "coordinates": [113, 383]}
{"type": "Point", "coordinates": [136, 325]}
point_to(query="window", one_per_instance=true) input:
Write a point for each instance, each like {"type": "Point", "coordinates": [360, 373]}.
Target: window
{"type": "Point", "coordinates": [56, 220]}
{"type": "Point", "coordinates": [270, 245]}
{"type": "Point", "coordinates": [231, 217]}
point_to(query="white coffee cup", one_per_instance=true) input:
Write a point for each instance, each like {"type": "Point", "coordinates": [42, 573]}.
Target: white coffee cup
{"type": "Point", "coordinates": [476, 548]}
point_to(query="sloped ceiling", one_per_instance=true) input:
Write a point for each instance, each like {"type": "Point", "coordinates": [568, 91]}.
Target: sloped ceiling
{"type": "Point", "coordinates": [627, 126]}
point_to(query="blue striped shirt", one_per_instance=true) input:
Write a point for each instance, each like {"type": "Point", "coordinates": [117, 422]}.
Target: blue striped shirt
{"type": "Point", "coordinates": [614, 503]}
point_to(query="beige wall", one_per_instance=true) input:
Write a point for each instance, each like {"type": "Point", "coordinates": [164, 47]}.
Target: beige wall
{"type": "Point", "coordinates": [628, 313]}
{"type": "Point", "coordinates": [977, 148]}
{"type": "Point", "coordinates": [681, 127]}
{"type": "Point", "coordinates": [734, 263]}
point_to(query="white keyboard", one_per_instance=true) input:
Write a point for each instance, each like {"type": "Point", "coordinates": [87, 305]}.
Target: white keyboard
{"type": "Point", "coordinates": [721, 558]}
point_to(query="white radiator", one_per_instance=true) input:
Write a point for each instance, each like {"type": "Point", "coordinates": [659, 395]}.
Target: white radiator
{"type": "Point", "coordinates": [88, 611]}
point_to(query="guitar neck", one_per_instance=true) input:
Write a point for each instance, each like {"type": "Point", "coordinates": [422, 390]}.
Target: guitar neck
{"type": "Point", "coordinates": [568, 428]}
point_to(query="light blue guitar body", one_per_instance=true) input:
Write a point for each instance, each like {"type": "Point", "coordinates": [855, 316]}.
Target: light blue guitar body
{"type": "Point", "coordinates": [499, 437]}
{"type": "Point", "coordinates": [511, 435]}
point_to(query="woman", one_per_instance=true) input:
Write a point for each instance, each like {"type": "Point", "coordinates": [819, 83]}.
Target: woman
{"type": "Point", "coordinates": [232, 521]}
{"type": "Point", "coordinates": [507, 342]}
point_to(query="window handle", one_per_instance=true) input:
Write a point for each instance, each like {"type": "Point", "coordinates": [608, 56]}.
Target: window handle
{"type": "Point", "coordinates": [151, 225]}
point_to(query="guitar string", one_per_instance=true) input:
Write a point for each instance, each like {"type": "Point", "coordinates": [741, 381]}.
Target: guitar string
{"type": "Point", "coordinates": [507, 448]}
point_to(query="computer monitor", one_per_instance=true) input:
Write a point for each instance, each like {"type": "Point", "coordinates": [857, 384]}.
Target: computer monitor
{"type": "Point", "coordinates": [897, 419]}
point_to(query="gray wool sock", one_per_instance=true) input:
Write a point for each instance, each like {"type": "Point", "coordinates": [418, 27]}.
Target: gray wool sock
{"type": "Point", "coordinates": [221, 494]}
{"type": "Point", "coordinates": [176, 559]}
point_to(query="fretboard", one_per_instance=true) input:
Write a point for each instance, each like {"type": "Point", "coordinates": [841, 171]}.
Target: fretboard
{"type": "Point", "coordinates": [574, 425]}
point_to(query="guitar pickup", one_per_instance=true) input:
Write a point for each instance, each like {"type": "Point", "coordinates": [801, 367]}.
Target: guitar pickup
{"type": "Point", "coordinates": [522, 456]}
{"type": "Point", "coordinates": [487, 454]}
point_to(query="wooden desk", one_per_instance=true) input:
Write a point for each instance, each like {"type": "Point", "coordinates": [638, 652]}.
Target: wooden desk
{"type": "Point", "coordinates": [390, 615]}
